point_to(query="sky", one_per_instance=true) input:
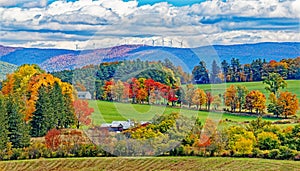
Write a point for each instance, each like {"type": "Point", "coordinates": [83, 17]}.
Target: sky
{"type": "Point", "coordinates": [86, 24]}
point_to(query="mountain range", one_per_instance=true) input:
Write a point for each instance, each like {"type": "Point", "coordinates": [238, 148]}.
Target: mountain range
{"type": "Point", "coordinates": [62, 59]}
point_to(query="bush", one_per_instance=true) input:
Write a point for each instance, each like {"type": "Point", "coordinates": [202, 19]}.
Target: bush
{"type": "Point", "coordinates": [286, 153]}
{"type": "Point", "coordinates": [274, 154]}
{"type": "Point", "coordinates": [256, 152]}
{"type": "Point", "coordinates": [16, 153]}
{"type": "Point", "coordinates": [268, 141]}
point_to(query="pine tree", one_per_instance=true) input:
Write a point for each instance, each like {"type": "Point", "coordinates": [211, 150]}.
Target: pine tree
{"type": "Point", "coordinates": [42, 120]}
{"type": "Point", "coordinates": [215, 71]}
{"type": "Point", "coordinates": [3, 124]}
{"type": "Point", "coordinates": [18, 130]}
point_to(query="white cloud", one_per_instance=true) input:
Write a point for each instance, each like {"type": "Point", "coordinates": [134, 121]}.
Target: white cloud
{"type": "Point", "coordinates": [62, 23]}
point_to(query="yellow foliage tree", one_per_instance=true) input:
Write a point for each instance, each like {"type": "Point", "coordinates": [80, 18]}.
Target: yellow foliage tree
{"type": "Point", "coordinates": [231, 97]}
{"type": "Point", "coordinates": [199, 98]}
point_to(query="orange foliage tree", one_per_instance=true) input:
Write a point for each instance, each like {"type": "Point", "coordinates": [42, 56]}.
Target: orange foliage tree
{"type": "Point", "coordinates": [287, 103]}
{"type": "Point", "coordinates": [230, 97]}
{"type": "Point", "coordinates": [255, 100]}
{"type": "Point", "coordinates": [82, 112]}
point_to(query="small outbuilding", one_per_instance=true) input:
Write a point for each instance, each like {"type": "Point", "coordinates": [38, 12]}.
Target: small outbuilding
{"type": "Point", "coordinates": [84, 95]}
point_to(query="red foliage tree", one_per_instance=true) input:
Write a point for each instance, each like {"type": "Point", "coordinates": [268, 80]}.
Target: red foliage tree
{"type": "Point", "coordinates": [53, 139]}
{"type": "Point", "coordinates": [172, 97]}
{"type": "Point", "coordinates": [83, 112]}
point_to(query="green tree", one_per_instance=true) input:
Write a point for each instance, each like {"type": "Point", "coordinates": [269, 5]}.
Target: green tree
{"type": "Point", "coordinates": [200, 73]}
{"type": "Point", "coordinates": [3, 124]}
{"type": "Point", "coordinates": [43, 119]}
{"type": "Point", "coordinates": [274, 82]}
{"type": "Point", "coordinates": [242, 91]}
{"type": "Point", "coordinates": [18, 130]}
{"type": "Point", "coordinates": [215, 71]}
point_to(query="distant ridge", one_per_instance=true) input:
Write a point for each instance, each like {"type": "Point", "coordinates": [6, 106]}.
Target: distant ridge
{"type": "Point", "coordinates": [6, 68]}
{"type": "Point", "coordinates": [61, 59]}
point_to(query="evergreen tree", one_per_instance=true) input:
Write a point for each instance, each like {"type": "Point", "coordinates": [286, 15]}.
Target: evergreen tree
{"type": "Point", "coordinates": [215, 71]}
{"type": "Point", "coordinates": [200, 73]}
{"type": "Point", "coordinates": [42, 120]}
{"type": "Point", "coordinates": [3, 124]}
{"type": "Point", "coordinates": [18, 130]}
{"type": "Point", "coordinates": [225, 69]}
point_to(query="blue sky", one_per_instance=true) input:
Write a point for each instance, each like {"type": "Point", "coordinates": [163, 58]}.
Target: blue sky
{"type": "Point", "coordinates": [189, 23]}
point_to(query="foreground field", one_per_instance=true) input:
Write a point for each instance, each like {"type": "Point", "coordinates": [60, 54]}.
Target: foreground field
{"type": "Point", "coordinates": [150, 163]}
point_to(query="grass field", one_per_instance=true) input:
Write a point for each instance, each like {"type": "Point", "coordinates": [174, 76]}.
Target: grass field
{"type": "Point", "coordinates": [293, 86]}
{"type": "Point", "coordinates": [150, 163]}
{"type": "Point", "coordinates": [109, 111]}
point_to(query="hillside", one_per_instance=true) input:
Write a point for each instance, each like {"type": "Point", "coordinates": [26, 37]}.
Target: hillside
{"type": "Point", "coordinates": [60, 59]}
{"type": "Point", "coordinates": [151, 163]}
{"type": "Point", "coordinates": [6, 68]}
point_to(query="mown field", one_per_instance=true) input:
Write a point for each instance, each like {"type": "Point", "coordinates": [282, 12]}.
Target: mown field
{"type": "Point", "coordinates": [111, 111]}
{"type": "Point", "coordinates": [292, 86]}
{"type": "Point", "coordinates": [150, 163]}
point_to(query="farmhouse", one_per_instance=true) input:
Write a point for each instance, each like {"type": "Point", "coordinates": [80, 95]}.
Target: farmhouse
{"type": "Point", "coordinates": [85, 95]}
{"type": "Point", "coordinates": [119, 126]}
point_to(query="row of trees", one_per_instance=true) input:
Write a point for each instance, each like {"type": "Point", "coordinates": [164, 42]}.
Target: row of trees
{"type": "Point", "coordinates": [92, 78]}
{"type": "Point", "coordinates": [237, 98]}
{"type": "Point", "coordinates": [234, 71]}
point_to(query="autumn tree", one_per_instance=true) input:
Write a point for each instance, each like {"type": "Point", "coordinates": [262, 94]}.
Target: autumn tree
{"type": "Point", "coordinates": [199, 97]}
{"type": "Point", "coordinates": [255, 100]}
{"type": "Point", "coordinates": [288, 103]}
{"type": "Point", "coordinates": [230, 97]}
{"type": "Point", "coordinates": [118, 90]}
{"type": "Point", "coordinates": [189, 93]}
{"type": "Point", "coordinates": [217, 102]}
{"type": "Point", "coordinates": [83, 112]}
{"type": "Point", "coordinates": [209, 99]}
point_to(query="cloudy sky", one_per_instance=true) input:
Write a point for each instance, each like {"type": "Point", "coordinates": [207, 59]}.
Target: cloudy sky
{"type": "Point", "coordinates": [84, 24]}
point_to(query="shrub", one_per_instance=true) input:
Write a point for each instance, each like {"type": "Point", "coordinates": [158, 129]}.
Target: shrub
{"type": "Point", "coordinates": [267, 141]}
{"type": "Point", "coordinates": [274, 154]}
{"type": "Point", "coordinates": [53, 139]}
{"type": "Point", "coordinates": [286, 153]}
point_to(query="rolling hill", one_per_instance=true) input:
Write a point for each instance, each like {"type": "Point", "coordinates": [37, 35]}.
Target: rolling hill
{"type": "Point", "coordinates": [61, 59]}
{"type": "Point", "coordinates": [6, 68]}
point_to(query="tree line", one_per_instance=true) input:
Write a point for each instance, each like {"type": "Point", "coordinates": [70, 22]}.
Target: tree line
{"type": "Point", "coordinates": [235, 98]}
{"type": "Point", "coordinates": [234, 71]}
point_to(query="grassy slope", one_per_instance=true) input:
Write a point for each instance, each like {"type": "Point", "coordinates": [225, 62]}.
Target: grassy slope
{"type": "Point", "coordinates": [293, 86]}
{"type": "Point", "coordinates": [108, 111]}
{"type": "Point", "coordinates": [150, 163]}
